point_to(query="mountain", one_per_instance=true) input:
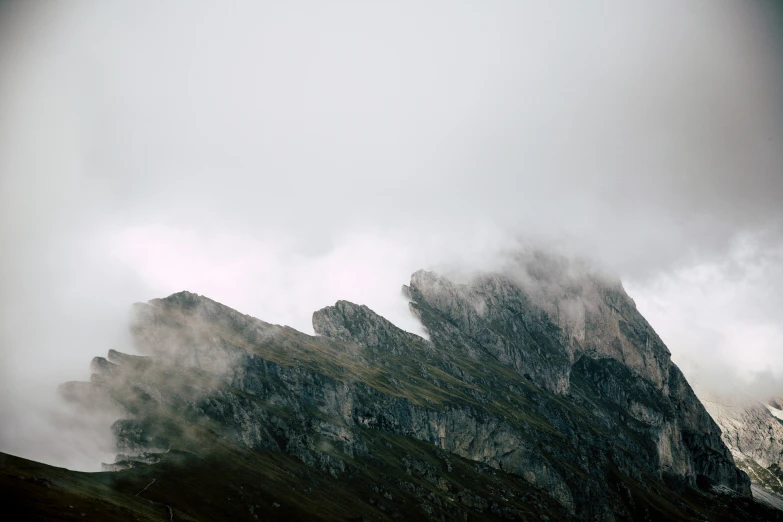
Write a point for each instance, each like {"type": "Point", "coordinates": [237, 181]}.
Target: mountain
{"type": "Point", "coordinates": [541, 393]}
{"type": "Point", "coordinates": [753, 432]}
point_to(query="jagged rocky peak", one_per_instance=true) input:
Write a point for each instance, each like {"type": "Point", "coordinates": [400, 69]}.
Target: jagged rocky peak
{"type": "Point", "coordinates": [185, 300]}
{"type": "Point", "coordinates": [358, 324]}
{"type": "Point", "coordinates": [192, 330]}
{"type": "Point", "coordinates": [492, 316]}
{"type": "Point", "coordinates": [346, 321]}
{"type": "Point", "coordinates": [124, 359]}
{"type": "Point", "coordinates": [188, 304]}
{"type": "Point", "coordinates": [543, 321]}
{"type": "Point", "coordinates": [542, 296]}
{"type": "Point", "coordinates": [102, 368]}
{"type": "Point", "coordinates": [552, 377]}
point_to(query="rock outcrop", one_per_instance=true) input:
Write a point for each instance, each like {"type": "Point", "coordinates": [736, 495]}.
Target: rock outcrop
{"type": "Point", "coordinates": [544, 372]}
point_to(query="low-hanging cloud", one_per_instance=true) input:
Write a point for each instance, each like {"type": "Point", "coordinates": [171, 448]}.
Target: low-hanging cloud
{"type": "Point", "coordinates": [277, 157]}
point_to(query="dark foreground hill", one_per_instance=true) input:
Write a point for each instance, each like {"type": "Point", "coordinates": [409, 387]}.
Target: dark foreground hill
{"type": "Point", "coordinates": [540, 394]}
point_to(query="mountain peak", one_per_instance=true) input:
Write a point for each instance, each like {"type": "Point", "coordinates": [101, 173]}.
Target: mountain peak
{"type": "Point", "coordinates": [559, 383]}
{"type": "Point", "coordinates": [358, 324]}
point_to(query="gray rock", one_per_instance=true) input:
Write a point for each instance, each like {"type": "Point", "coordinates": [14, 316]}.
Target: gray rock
{"type": "Point", "coordinates": [545, 372]}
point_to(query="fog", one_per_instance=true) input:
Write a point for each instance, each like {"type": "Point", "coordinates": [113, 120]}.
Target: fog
{"type": "Point", "coordinates": [277, 157]}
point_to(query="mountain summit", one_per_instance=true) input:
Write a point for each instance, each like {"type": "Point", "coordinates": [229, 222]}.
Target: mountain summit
{"type": "Point", "coordinates": [540, 393]}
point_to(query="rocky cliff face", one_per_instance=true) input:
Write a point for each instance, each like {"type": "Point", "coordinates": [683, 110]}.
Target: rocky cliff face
{"type": "Point", "coordinates": [544, 372]}
{"type": "Point", "coordinates": [575, 323]}
{"type": "Point", "coordinates": [753, 432]}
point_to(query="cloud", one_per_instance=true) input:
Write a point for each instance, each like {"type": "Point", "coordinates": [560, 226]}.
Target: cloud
{"type": "Point", "coordinates": [722, 318]}
{"type": "Point", "coordinates": [278, 157]}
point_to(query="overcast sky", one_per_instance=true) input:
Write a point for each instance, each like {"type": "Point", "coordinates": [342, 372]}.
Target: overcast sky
{"type": "Point", "coordinates": [278, 156]}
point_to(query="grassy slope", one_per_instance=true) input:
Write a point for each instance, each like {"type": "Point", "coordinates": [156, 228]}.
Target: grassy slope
{"type": "Point", "coordinates": [231, 485]}
{"type": "Point", "coordinates": [228, 485]}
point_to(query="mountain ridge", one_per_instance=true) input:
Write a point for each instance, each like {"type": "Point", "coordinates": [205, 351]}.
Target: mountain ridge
{"type": "Point", "coordinates": [551, 380]}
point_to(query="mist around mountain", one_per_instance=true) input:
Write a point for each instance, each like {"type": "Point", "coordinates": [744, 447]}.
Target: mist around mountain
{"type": "Point", "coordinates": [538, 393]}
